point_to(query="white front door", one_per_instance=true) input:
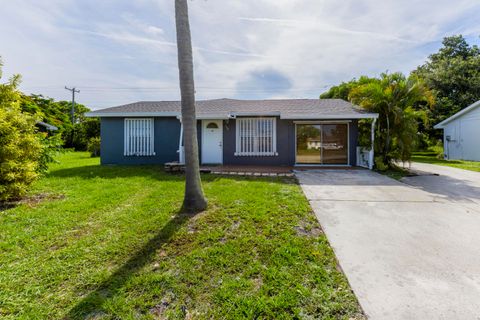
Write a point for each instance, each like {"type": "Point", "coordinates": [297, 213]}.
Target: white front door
{"type": "Point", "coordinates": [212, 141]}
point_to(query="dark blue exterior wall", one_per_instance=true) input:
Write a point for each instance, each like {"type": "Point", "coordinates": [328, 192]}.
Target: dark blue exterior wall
{"type": "Point", "coordinates": [353, 142]}
{"type": "Point", "coordinates": [167, 134]}
{"type": "Point", "coordinates": [285, 146]}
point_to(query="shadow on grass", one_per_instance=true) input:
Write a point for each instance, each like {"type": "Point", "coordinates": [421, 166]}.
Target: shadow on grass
{"type": "Point", "coordinates": [92, 304]}
{"type": "Point", "coordinates": [113, 172]}
{"type": "Point", "coordinates": [147, 171]}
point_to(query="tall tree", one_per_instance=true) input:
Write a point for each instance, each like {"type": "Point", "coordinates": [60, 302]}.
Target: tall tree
{"type": "Point", "coordinates": [194, 200]}
{"type": "Point", "coordinates": [453, 73]}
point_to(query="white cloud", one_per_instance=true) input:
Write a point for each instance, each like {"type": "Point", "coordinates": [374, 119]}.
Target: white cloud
{"type": "Point", "coordinates": [109, 47]}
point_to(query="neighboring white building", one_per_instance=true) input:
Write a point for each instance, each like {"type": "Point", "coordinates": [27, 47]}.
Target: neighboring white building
{"type": "Point", "coordinates": [461, 134]}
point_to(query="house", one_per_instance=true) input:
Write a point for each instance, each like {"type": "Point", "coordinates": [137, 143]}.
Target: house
{"type": "Point", "coordinates": [461, 134]}
{"type": "Point", "coordinates": [284, 132]}
{"type": "Point", "coordinates": [45, 127]}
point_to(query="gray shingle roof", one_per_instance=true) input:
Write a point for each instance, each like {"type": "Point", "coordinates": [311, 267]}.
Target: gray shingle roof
{"type": "Point", "coordinates": [223, 108]}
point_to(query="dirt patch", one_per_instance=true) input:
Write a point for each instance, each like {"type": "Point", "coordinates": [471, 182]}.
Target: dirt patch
{"type": "Point", "coordinates": [309, 232]}
{"type": "Point", "coordinates": [32, 200]}
{"type": "Point", "coordinates": [308, 229]}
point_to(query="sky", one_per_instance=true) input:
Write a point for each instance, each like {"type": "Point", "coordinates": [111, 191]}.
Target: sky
{"type": "Point", "coordinates": [121, 51]}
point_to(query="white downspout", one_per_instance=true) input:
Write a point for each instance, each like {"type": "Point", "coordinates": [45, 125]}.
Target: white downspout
{"type": "Point", "coordinates": [372, 147]}
{"type": "Point", "coordinates": [181, 148]}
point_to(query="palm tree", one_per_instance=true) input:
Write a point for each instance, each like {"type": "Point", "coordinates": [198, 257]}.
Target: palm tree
{"type": "Point", "coordinates": [194, 200]}
{"type": "Point", "coordinates": [400, 102]}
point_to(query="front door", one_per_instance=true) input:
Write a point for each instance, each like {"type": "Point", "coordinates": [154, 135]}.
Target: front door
{"type": "Point", "coordinates": [325, 143]}
{"type": "Point", "coordinates": [212, 141]}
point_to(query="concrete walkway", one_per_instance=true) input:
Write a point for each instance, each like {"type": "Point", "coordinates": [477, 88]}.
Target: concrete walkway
{"type": "Point", "coordinates": [410, 250]}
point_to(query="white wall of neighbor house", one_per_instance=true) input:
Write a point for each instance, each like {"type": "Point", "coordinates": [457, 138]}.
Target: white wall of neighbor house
{"type": "Point", "coordinates": [461, 137]}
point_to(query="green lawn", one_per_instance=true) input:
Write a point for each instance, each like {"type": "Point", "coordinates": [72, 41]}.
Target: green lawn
{"type": "Point", "coordinates": [109, 243]}
{"type": "Point", "coordinates": [431, 157]}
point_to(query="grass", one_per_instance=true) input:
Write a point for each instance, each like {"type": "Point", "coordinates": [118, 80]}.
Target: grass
{"type": "Point", "coordinates": [431, 157]}
{"type": "Point", "coordinates": [108, 242]}
{"type": "Point", "coordinates": [396, 173]}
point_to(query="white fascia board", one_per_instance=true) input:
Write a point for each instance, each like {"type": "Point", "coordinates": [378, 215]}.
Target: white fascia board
{"type": "Point", "coordinates": [442, 124]}
{"type": "Point", "coordinates": [130, 114]}
{"type": "Point", "coordinates": [151, 114]}
{"type": "Point", "coordinates": [211, 117]}
{"type": "Point", "coordinates": [256, 114]}
{"type": "Point", "coordinates": [322, 121]}
{"type": "Point", "coordinates": [330, 116]}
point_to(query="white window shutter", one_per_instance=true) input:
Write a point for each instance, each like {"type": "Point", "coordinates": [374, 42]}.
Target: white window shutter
{"type": "Point", "coordinates": [256, 137]}
{"type": "Point", "coordinates": [139, 137]}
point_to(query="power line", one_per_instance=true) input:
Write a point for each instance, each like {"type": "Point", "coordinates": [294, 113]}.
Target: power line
{"type": "Point", "coordinates": [176, 89]}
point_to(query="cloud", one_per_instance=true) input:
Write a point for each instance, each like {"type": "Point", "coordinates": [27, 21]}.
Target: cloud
{"type": "Point", "coordinates": [259, 82]}
{"type": "Point", "coordinates": [326, 27]}
{"type": "Point", "coordinates": [122, 51]}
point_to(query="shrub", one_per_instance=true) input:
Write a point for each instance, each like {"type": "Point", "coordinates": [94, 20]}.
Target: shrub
{"type": "Point", "coordinates": [24, 153]}
{"type": "Point", "coordinates": [20, 152]}
{"type": "Point", "coordinates": [94, 146]}
{"type": "Point", "coordinates": [79, 135]}
{"type": "Point", "coordinates": [51, 145]}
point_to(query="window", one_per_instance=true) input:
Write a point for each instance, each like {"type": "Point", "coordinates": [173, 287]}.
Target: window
{"type": "Point", "coordinates": [256, 137]}
{"type": "Point", "coordinates": [138, 137]}
{"type": "Point", "coordinates": [212, 125]}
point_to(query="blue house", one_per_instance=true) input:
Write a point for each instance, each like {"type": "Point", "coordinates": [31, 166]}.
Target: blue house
{"type": "Point", "coordinates": [284, 132]}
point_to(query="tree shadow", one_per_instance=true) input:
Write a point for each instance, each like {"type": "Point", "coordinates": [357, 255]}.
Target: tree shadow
{"type": "Point", "coordinates": [445, 187]}
{"type": "Point", "coordinates": [151, 171]}
{"type": "Point", "coordinates": [113, 172]}
{"type": "Point", "coordinates": [92, 303]}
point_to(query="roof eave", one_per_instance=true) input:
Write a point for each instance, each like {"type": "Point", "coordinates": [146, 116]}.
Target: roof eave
{"type": "Point", "coordinates": [442, 124]}
{"type": "Point", "coordinates": [330, 116]}
{"type": "Point", "coordinates": [131, 114]}
{"type": "Point", "coordinates": [221, 116]}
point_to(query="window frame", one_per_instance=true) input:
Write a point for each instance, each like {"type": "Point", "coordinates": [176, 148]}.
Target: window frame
{"type": "Point", "coordinates": [251, 130]}
{"type": "Point", "coordinates": [144, 134]}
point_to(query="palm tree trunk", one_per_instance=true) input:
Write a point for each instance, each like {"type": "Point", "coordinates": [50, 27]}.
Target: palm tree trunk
{"type": "Point", "coordinates": [194, 200]}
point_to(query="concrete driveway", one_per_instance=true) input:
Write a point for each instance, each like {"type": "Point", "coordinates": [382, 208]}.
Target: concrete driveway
{"type": "Point", "coordinates": [411, 249]}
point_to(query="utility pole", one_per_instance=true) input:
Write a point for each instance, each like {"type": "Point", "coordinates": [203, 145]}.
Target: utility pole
{"type": "Point", "coordinates": [73, 90]}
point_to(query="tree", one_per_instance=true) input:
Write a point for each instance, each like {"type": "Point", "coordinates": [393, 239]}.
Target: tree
{"type": "Point", "coordinates": [57, 113]}
{"type": "Point", "coordinates": [194, 200]}
{"type": "Point", "coordinates": [342, 91]}
{"type": "Point", "coordinates": [453, 73]}
{"type": "Point", "coordinates": [23, 156]}
{"type": "Point", "coordinates": [400, 102]}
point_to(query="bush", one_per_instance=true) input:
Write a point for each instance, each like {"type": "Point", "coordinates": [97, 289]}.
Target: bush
{"type": "Point", "coordinates": [20, 153]}
{"type": "Point", "coordinates": [51, 145]}
{"type": "Point", "coordinates": [24, 153]}
{"type": "Point", "coordinates": [79, 135]}
{"type": "Point", "coordinates": [94, 147]}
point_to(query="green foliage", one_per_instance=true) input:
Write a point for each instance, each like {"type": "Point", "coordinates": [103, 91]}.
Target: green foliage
{"type": "Point", "coordinates": [342, 91]}
{"type": "Point", "coordinates": [402, 103]}
{"type": "Point", "coordinates": [453, 73]}
{"type": "Point", "coordinates": [432, 156]}
{"type": "Point", "coordinates": [51, 146]}
{"type": "Point", "coordinates": [24, 153]}
{"type": "Point", "coordinates": [20, 148]}
{"type": "Point", "coordinates": [20, 151]}
{"type": "Point", "coordinates": [78, 135]}
{"type": "Point", "coordinates": [94, 146]}
{"type": "Point", "coordinates": [59, 114]}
